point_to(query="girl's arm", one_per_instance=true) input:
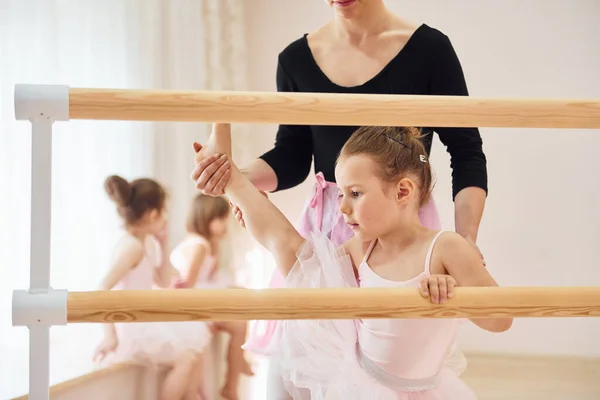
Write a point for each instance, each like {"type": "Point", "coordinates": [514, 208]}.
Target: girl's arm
{"type": "Point", "coordinates": [129, 253]}
{"type": "Point", "coordinates": [465, 265]}
{"type": "Point", "coordinates": [198, 257]}
{"type": "Point", "coordinates": [264, 221]}
{"type": "Point", "coordinates": [163, 274]}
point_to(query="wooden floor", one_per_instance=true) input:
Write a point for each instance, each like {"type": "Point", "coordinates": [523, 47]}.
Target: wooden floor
{"type": "Point", "coordinates": [532, 378]}
{"type": "Point", "coordinates": [495, 377]}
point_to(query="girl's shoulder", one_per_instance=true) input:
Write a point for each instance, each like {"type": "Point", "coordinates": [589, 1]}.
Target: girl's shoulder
{"type": "Point", "coordinates": [127, 241]}
{"type": "Point", "coordinates": [448, 241]}
{"type": "Point", "coordinates": [130, 247]}
{"type": "Point", "coordinates": [356, 249]}
{"type": "Point", "coordinates": [194, 242]}
{"type": "Point", "coordinates": [452, 251]}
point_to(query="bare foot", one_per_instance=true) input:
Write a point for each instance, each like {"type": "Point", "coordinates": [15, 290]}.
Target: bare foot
{"type": "Point", "coordinates": [218, 142]}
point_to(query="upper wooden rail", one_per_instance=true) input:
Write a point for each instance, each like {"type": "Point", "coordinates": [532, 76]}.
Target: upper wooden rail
{"type": "Point", "coordinates": [280, 304]}
{"type": "Point", "coordinates": [331, 109]}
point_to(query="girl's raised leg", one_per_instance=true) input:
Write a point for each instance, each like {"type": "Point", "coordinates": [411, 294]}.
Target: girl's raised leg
{"type": "Point", "coordinates": [264, 221]}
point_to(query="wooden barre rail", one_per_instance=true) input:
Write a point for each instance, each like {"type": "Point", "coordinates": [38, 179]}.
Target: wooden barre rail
{"type": "Point", "coordinates": [279, 304]}
{"type": "Point", "coordinates": [331, 109]}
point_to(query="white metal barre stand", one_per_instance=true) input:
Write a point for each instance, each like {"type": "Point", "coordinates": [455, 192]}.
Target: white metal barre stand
{"type": "Point", "coordinates": [40, 307]}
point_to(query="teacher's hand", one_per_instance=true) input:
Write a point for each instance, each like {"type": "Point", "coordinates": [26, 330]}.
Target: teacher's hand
{"type": "Point", "coordinates": [210, 173]}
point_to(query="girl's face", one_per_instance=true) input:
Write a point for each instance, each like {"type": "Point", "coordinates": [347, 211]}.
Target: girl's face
{"type": "Point", "coordinates": [218, 227]}
{"type": "Point", "coordinates": [369, 205]}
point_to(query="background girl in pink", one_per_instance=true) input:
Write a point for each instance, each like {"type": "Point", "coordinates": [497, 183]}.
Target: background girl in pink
{"type": "Point", "coordinates": [140, 262]}
{"type": "Point", "coordinates": [384, 180]}
{"type": "Point", "coordinates": [197, 260]}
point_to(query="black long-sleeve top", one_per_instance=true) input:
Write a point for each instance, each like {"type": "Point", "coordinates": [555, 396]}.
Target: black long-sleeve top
{"type": "Point", "coordinates": [427, 65]}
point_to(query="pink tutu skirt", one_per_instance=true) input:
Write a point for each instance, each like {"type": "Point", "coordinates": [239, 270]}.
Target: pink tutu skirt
{"type": "Point", "coordinates": [322, 359]}
{"type": "Point", "coordinates": [158, 343]}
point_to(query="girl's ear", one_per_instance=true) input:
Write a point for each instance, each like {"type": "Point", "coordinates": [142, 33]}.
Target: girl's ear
{"type": "Point", "coordinates": [405, 190]}
{"type": "Point", "coordinates": [152, 215]}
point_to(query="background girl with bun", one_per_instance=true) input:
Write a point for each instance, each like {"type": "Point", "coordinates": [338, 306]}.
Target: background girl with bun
{"type": "Point", "coordinates": [139, 262]}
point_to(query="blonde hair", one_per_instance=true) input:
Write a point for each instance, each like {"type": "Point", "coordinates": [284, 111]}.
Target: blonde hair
{"type": "Point", "coordinates": [203, 211]}
{"type": "Point", "coordinates": [399, 151]}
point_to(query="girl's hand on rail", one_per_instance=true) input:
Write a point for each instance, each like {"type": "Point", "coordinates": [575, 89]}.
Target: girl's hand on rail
{"type": "Point", "coordinates": [438, 288]}
{"type": "Point", "coordinates": [210, 173]}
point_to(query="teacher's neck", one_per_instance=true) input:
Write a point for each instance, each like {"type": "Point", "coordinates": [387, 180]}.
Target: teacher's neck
{"type": "Point", "coordinates": [373, 20]}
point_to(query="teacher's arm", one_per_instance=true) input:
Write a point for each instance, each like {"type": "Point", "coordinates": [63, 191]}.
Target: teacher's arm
{"type": "Point", "coordinates": [291, 157]}
{"type": "Point", "coordinates": [467, 159]}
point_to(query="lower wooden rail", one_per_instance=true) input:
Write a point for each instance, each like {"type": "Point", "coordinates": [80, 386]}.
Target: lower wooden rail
{"type": "Point", "coordinates": [364, 303]}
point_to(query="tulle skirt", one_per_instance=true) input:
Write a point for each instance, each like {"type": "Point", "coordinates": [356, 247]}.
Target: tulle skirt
{"type": "Point", "coordinates": [158, 343]}
{"type": "Point", "coordinates": [322, 359]}
{"type": "Point", "coordinates": [321, 214]}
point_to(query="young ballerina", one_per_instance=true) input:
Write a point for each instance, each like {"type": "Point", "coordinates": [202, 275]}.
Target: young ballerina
{"type": "Point", "coordinates": [197, 260]}
{"type": "Point", "coordinates": [384, 179]}
{"type": "Point", "coordinates": [140, 261]}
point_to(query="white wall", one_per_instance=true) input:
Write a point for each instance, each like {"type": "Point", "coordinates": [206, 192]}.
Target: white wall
{"type": "Point", "coordinates": [541, 224]}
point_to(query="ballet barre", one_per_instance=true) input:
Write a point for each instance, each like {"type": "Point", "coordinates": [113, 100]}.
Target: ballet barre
{"type": "Point", "coordinates": [41, 306]}
{"type": "Point", "coordinates": [368, 303]}
{"type": "Point", "coordinates": [312, 108]}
